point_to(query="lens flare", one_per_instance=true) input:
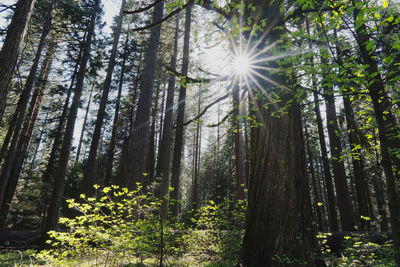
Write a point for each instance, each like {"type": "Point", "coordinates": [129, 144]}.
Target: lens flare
{"type": "Point", "coordinates": [241, 64]}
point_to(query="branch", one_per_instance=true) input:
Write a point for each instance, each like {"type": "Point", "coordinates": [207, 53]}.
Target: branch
{"type": "Point", "coordinates": [220, 122]}
{"type": "Point", "coordinates": [209, 5]}
{"type": "Point", "coordinates": [187, 78]}
{"type": "Point", "coordinates": [203, 111]}
{"type": "Point", "coordinates": [176, 11]}
{"type": "Point", "coordinates": [143, 8]}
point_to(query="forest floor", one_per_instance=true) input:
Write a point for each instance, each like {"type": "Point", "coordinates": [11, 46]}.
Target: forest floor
{"type": "Point", "coordinates": [18, 248]}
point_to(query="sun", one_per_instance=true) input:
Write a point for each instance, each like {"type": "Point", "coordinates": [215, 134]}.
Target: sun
{"type": "Point", "coordinates": [241, 64]}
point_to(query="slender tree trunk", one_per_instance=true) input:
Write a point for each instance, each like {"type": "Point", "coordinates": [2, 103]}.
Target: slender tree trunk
{"type": "Point", "coordinates": [196, 161]}
{"type": "Point", "coordinates": [139, 140]}
{"type": "Point", "coordinates": [241, 173]}
{"type": "Point", "coordinates": [51, 164]}
{"type": "Point", "coordinates": [24, 99]}
{"type": "Point", "coordinates": [316, 195]}
{"type": "Point", "coordinates": [332, 215]}
{"type": "Point", "coordinates": [164, 153]}
{"type": "Point", "coordinates": [111, 149]}
{"type": "Point", "coordinates": [11, 47]}
{"type": "Point", "coordinates": [176, 160]}
{"type": "Point", "coordinates": [151, 142]}
{"type": "Point", "coordinates": [58, 186]}
{"type": "Point", "coordinates": [342, 193]}
{"type": "Point", "coordinates": [78, 151]}
{"type": "Point", "coordinates": [88, 178]}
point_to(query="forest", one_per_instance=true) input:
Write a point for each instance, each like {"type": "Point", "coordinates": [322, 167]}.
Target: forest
{"type": "Point", "coordinates": [199, 133]}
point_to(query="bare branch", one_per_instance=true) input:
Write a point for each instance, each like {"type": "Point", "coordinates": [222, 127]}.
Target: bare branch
{"type": "Point", "coordinates": [176, 11]}
{"type": "Point", "coordinates": [143, 8]}
{"type": "Point", "coordinates": [220, 122]}
{"type": "Point", "coordinates": [187, 78]}
{"type": "Point", "coordinates": [204, 110]}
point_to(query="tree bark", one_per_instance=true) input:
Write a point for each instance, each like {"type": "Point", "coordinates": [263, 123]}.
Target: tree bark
{"type": "Point", "coordinates": [177, 154]}
{"type": "Point", "coordinates": [164, 153]}
{"type": "Point", "coordinates": [11, 47]}
{"type": "Point", "coordinates": [278, 223]}
{"type": "Point", "coordinates": [342, 193]}
{"type": "Point", "coordinates": [332, 215]}
{"type": "Point", "coordinates": [241, 173]}
{"type": "Point", "coordinates": [139, 140]}
{"type": "Point", "coordinates": [88, 178]}
{"type": "Point", "coordinates": [110, 153]}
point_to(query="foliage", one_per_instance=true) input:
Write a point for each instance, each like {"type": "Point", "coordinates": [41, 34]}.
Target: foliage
{"type": "Point", "coordinates": [359, 250]}
{"type": "Point", "coordinates": [217, 233]}
{"type": "Point", "coordinates": [113, 227]}
{"type": "Point", "coordinates": [121, 226]}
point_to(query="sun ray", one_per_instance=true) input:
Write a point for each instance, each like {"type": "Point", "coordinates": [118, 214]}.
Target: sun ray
{"type": "Point", "coordinates": [266, 79]}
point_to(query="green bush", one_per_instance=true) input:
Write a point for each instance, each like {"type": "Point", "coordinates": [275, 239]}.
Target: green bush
{"type": "Point", "coordinates": [116, 226]}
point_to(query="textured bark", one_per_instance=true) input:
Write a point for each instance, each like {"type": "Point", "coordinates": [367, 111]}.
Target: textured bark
{"type": "Point", "coordinates": [11, 47]}
{"type": "Point", "coordinates": [176, 160]}
{"type": "Point", "coordinates": [21, 107]}
{"type": "Point", "coordinates": [139, 140]}
{"type": "Point", "coordinates": [58, 185]}
{"type": "Point", "coordinates": [89, 179]}
{"type": "Point", "coordinates": [27, 130]}
{"type": "Point", "coordinates": [278, 223]}
{"type": "Point", "coordinates": [332, 215]}
{"type": "Point", "coordinates": [387, 126]}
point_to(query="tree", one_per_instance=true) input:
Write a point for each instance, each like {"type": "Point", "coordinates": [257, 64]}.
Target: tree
{"type": "Point", "coordinates": [139, 140]}
{"type": "Point", "coordinates": [58, 186]}
{"type": "Point", "coordinates": [12, 45]}
{"type": "Point", "coordinates": [177, 154]}
{"type": "Point", "coordinates": [278, 224]}
{"type": "Point", "coordinates": [90, 167]}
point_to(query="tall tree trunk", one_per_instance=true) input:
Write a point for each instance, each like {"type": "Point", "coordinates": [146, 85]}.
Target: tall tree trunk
{"type": "Point", "coordinates": [58, 186]}
{"type": "Point", "coordinates": [241, 173]}
{"type": "Point", "coordinates": [196, 160]}
{"type": "Point", "coordinates": [278, 219]}
{"type": "Point", "coordinates": [386, 122]}
{"type": "Point", "coordinates": [21, 108]}
{"type": "Point", "coordinates": [332, 215]}
{"type": "Point", "coordinates": [11, 47]}
{"type": "Point", "coordinates": [364, 205]}
{"type": "Point", "coordinates": [342, 193]}
{"type": "Point", "coordinates": [78, 151]}
{"type": "Point", "coordinates": [150, 162]}
{"type": "Point", "coordinates": [139, 140]}
{"type": "Point", "coordinates": [314, 183]}
{"type": "Point", "coordinates": [111, 149]}
{"type": "Point", "coordinates": [27, 130]}
{"type": "Point", "coordinates": [176, 160]}
{"type": "Point", "coordinates": [88, 178]}
{"type": "Point", "coordinates": [163, 165]}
